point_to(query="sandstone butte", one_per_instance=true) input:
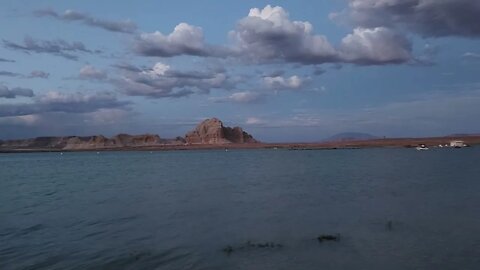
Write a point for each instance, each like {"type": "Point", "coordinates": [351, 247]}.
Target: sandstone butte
{"type": "Point", "coordinates": [212, 131]}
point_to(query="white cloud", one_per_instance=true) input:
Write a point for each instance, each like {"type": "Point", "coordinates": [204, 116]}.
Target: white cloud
{"type": "Point", "coordinates": [471, 55]}
{"type": "Point", "coordinates": [279, 82]}
{"type": "Point", "coordinates": [185, 39]}
{"type": "Point", "coordinates": [254, 121]}
{"type": "Point", "coordinates": [268, 34]}
{"type": "Point", "coordinates": [240, 97]}
{"type": "Point", "coordinates": [90, 72]}
{"type": "Point", "coordinates": [159, 69]}
{"type": "Point", "coordinates": [379, 45]}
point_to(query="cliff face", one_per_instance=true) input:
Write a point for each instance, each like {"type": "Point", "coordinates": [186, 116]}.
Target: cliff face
{"type": "Point", "coordinates": [212, 131]}
{"type": "Point", "coordinates": [89, 142]}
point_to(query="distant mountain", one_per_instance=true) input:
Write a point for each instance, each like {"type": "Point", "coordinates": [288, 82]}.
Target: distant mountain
{"type": "Point", "coordinates": [350, 136]}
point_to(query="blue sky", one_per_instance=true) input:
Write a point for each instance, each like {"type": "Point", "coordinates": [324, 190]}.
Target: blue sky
{"type": "Point", "coordinates": [283, 70]}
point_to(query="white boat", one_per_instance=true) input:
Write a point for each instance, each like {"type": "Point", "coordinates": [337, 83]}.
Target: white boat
{"type": "Point", "coordinates": [422, 147]}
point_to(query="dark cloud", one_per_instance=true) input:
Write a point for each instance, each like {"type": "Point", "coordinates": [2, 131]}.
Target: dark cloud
{"type": "Point", "coordinates": [429, 18]}
{"type": "Point", "coordinates": [127, 67]}
{"type": "Point", "coordinates": [163, 81]}
{"type": "Point", "coordinates": [57, 47]}
{"type": "Point", "coordinates": [317, 71]}
{"type": "Point", "coordinates": [9, 74]}
{"type": "Point", "coordinates": [184, 40]}
{"type": "Point", "coordinates": [274, 73]}
{"type": "Point", "coordinates": [38, 74]}
{"type": "Point", "coordinates": [67, 103]}
{"type": "Point", "coordinates": [7, 60]}
{"type": "Point", "coordinates": [5, 92]}
{"type": "Point", "coordinates": [127, 26]}
{"type": "Point", "coordinates": [33, 74]}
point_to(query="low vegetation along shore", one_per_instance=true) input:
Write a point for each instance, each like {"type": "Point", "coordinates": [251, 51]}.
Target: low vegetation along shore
{"type": "Point", "coordinates": [210, 134]}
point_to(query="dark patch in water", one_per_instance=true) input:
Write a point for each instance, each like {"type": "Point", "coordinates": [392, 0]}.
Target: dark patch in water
{"type": "Point", "coordinates": [251, 246]}
{"type": "Point", "coordinates": [328, 237]}
{"type": "Point", "coordinates": [30, 230]}
{"type": "Point", "coordinates": [389, 225]}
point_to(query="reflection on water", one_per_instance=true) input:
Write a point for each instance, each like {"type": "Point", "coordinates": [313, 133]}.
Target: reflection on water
{"type": "Point", "coordinates": [255, 209]}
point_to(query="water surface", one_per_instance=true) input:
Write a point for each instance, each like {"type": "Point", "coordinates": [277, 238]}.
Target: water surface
{"type": "Point", "coordinates": [394, 209]}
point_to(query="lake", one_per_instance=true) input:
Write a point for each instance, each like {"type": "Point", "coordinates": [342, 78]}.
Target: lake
{"type": "Point", "coordinates": [241, 209]}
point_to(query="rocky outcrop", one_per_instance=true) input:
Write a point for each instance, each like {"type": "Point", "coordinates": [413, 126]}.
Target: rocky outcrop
{"type": "Point", "coordinates": [212, 131]}
{"type": "Point", "coordinates": [90, 142]}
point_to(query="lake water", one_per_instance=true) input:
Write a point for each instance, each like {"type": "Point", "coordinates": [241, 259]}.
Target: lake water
{"type": "Point", "coordinates": [393, 208]}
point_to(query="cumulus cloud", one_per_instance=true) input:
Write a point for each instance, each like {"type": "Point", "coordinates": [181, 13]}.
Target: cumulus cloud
{"type": "Point", "coordinates": [5, 92]}
{"type": "Point", "coordinates": [89, 72]}
{"type": "Point", "coordinates": [163, 81]}
{"type": "Point", "coordinates": [184, 40]}
{"type": "Point", "coordinates": [6, 60]}
{"type": "Point", "coordinates": [378, 45]}
{"type": "Point", "coordinates": [429, 18]}
{"type": "Point", "coordinates": [268, 34]}
{"type": "Point", "coordinates": [69, 15]}
{"type": "Point", "coordinates": [241, 97]}
{"type": "Point", "coordinates": [64, 102]}
{"type": "Point", "coordinates": [284, 83]}
{"type": "Point", "coordinates": [38, 74]}
{"type": "Point", "coordinates": [57, 47]}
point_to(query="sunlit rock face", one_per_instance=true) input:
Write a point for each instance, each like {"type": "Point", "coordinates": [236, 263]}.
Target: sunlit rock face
{"type": "Point", "coordinates": [212, 131]}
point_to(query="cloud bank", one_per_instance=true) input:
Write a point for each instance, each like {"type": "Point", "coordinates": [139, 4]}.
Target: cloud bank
{"type": "Point", "coordinates": [5, 92]}
{"type": "Point", "coordinates": [62, 102]}
{"type": "Point", "coordinates": [57, 47]}
{"type": "Point", "coordinates": [429, 18]}
{"type": "Point", "coordinates": [69, 15]}
{"type": "Point", "coordinates": [163, 81]}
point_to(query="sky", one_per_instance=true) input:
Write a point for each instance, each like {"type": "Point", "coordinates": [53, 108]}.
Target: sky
{"type": "Point", "coordinates": [282, 70]}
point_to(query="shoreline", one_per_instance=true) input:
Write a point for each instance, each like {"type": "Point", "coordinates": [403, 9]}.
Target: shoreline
{"type": "Point", "coordinates": [354, 144]}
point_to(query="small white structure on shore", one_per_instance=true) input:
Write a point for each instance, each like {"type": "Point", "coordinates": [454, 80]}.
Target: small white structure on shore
{"type": "Point", "coordinates": [457, 144]}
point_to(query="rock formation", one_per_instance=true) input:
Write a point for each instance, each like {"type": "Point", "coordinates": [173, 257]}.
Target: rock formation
{"type": "Point", "coordinates": [90, 142]}
{"type": "Point", "coordinates": [212, 131]}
